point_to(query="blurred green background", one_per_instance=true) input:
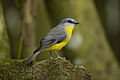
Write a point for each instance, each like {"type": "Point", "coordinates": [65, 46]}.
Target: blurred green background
{"type": "Point", "coordinates": [95, 42]}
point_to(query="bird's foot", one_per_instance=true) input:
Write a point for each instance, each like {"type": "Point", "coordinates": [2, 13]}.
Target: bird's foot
{"type": "Point", "coordinates": [58, 58]}
{"type": "Point", "coordinates": [51, 57]}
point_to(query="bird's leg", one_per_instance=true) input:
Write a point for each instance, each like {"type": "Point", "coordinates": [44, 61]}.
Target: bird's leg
{"type": "Point", "coordinates": [51, 55]}
{"type": "Point", "coordinates": [58, 57]}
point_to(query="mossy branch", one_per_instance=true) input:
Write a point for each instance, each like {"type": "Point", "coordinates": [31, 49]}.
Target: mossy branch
{"type": "Point", "coordinates": [59, 69]}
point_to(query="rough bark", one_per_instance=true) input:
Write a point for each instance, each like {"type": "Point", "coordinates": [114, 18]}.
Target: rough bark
{"type": "Point", "coordinates": [59, 69]}
{"type": "Point", "coordinates": [4, 41]}
{"type": "Point", "coordinates": [88, 45]}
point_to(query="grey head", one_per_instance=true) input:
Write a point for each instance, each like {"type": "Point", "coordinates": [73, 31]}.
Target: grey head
{"type": "Point", "coordinates": [68, 22]}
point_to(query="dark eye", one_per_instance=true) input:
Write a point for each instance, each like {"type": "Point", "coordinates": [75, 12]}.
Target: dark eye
{"type": "Point", "coordinates": [69, 21]}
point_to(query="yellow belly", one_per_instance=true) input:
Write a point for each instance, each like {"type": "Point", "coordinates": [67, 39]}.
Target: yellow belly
{"type": "Point", "coordinates": [59, 46]}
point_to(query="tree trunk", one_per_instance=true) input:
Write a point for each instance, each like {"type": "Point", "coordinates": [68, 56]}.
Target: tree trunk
{"type": "Point", "coordinates": [88, 45]}
{"type": "Point", "coordinates": [109, 12]}
{"type": "Point", "coordinates": [4, 41]}
{"type": "Point", "coordinates": [42, 26]}
{"type": "Point", "coordinates": [59, 69]}
{"type": "Point", "coordinates": [28, 27]}
{"type": "Point", "coordinates": [13, 20]}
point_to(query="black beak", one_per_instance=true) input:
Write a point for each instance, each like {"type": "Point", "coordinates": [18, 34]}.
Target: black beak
{"type": "Point", "coordinates": [76, 23]}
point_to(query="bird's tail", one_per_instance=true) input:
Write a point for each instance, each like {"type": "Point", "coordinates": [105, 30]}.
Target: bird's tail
{"type": "Point", "coordinates": [35, 53]}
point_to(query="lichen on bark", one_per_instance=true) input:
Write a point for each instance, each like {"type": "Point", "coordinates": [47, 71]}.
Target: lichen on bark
{"type": "Point", "coordinates": [53, 69]}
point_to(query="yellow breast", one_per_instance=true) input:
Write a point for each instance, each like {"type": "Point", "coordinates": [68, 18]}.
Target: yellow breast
{"type": "Point", "coordinates": [59, 46]}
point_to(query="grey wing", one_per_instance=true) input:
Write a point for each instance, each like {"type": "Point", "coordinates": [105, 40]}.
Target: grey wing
{"type": "Point", "coordinates": [55, 36]}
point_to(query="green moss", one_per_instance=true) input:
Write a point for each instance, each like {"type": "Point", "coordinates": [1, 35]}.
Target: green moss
{"type": "Point", "coordinates": [59, 69]}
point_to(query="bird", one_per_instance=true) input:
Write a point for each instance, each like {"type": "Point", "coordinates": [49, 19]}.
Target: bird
{"type": "Point", "coordinates": [57, 38]}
